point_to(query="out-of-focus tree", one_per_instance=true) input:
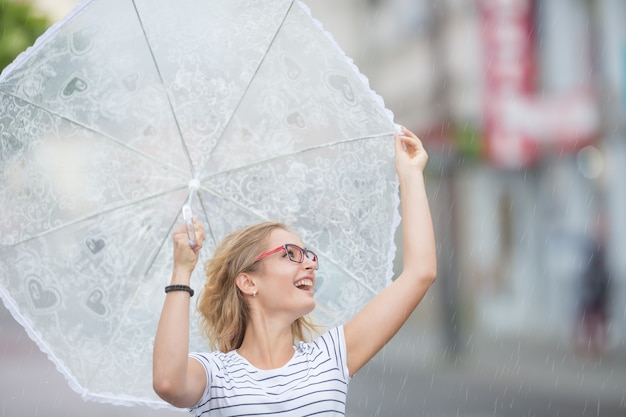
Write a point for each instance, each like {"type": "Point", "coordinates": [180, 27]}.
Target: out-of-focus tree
{"type": "Point", "coordinates": [20, 25]}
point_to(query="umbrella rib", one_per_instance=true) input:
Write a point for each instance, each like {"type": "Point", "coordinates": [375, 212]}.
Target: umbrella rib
{"type": "Point", "coordinates": [279, 157]}
{"type": "Point", "coordinates": [91, 129]}
{"type": "Point", "coordinates": [256, 71]}
{"type": "Point", "coordinates": [99, 213]}
{"type": "Point", "coordinates": [235, 203]}
{"type": "Point", "coordinates": [165, 90]}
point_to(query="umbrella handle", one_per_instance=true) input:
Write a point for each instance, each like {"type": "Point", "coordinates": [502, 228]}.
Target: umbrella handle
{"type": "Point", "coordinates": [191, 231]}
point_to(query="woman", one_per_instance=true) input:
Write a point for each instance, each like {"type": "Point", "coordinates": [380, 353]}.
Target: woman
{"type": "Point", "coordinates": [258, 292]}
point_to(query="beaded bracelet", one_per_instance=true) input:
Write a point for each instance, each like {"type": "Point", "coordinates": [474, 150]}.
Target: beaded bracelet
{"type": "Point", "coordinates": [179, 288]}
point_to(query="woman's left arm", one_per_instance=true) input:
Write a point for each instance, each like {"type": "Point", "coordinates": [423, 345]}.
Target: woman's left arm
{"type": "Point", "coordinates": [383, 316]}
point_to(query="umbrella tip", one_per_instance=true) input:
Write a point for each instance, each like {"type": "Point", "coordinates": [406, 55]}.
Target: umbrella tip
{"type": "Point", "coordinates": [194, 184]}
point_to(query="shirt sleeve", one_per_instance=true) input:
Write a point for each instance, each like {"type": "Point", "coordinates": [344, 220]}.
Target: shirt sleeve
{"type": "Point", "coordinates": [206, 363]}
{"type": "Point", "coordinates": [334, 343]}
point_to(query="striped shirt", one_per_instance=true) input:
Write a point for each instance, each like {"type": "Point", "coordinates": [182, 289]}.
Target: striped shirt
{"type": "Point", "coordinates": [314, 382]}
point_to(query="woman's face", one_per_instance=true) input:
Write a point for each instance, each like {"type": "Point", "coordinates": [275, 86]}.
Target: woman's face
{"type": "Point", "coordinates": [284, 286]}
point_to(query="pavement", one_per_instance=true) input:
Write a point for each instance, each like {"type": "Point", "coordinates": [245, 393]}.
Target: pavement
{"type": "Point", "coordinates": [411, 376]}
{"type": "Point", "coordinates": [546, 364]}
{"type": "Point", "coordinates": [491, 375]}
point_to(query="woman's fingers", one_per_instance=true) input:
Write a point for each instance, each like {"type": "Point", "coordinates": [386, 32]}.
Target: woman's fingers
{"type": "Point", "coordinates": [200, 235]}
{"type": "Point", "coordinates": [180, 233]}
{"type": "Point", "coordinates": [409, 150]}
{"type": "Point", "coordinates": [407, 142]}
{"type": "Point", "coordinates": [182, 248]}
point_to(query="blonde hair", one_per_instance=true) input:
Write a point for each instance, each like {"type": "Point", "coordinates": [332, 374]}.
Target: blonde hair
{"type": "Point", "coordinates": [224, 311]}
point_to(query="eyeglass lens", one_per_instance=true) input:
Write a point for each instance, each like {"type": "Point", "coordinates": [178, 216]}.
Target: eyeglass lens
{"type": "Point", "coordinates": [296, 253]}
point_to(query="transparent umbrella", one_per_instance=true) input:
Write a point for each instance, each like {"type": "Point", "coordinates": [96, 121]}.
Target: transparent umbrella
{"type": "Point", "coordinates": [126, 110]}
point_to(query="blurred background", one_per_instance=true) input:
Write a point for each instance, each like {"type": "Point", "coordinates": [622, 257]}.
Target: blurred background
{"type": "Point", "coordinates": [522, 107]}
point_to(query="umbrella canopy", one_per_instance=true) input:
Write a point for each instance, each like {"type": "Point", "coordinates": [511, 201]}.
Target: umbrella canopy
{"type": "Point", "coordinates": [122, 112]}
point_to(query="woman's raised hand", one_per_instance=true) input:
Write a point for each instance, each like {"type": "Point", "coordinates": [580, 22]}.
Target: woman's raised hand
{"type": "Point", "coordinates": [410, 153]}
{"type": "Point", "coordinates": [186, 257]}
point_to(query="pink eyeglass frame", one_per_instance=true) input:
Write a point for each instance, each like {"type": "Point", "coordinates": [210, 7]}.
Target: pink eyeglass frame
{"type": "Point", "coordinates": [305, 253]}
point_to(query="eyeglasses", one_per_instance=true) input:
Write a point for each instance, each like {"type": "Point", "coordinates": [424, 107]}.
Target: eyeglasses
{"type": "Point", "coordinates": [294, 252]}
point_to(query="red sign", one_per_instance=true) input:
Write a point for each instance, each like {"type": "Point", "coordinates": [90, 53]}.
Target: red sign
{"type": "Point", "coordinates": [518, 123]}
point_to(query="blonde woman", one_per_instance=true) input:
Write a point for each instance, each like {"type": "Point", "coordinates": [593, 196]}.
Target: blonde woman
{"type": "Point", "coordinates": [254, 307]}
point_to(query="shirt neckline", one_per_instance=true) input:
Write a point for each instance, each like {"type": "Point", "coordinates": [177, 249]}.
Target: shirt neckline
{"type": "Point", "coordinates": [293, 357]}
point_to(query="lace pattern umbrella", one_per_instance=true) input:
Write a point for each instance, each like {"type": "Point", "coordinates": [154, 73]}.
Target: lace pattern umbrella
{"type": "Point", "coordinates": [121, 110]}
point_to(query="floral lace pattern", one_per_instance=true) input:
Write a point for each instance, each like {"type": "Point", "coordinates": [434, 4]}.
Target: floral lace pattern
{"type": "Point", "coordinates": [107, 119]}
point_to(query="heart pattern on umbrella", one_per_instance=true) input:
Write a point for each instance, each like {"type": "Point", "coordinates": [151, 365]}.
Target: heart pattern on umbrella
{"type": "Point", "coordinates": [44, 299]}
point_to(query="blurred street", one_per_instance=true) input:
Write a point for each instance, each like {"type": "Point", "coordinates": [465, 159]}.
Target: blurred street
{"type": "Point", "coordinates": [410, 377]}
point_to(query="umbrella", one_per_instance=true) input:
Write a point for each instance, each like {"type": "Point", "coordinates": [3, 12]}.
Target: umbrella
{"type": "Point", "coordinates": [124, 112]}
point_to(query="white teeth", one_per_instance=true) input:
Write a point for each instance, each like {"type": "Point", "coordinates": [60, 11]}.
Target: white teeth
{"type": "Point", "coordinates": [304, 283]}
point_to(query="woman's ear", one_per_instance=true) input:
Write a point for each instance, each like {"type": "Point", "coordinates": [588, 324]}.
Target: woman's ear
{"type": "Point", "coordinates": [246, 284]}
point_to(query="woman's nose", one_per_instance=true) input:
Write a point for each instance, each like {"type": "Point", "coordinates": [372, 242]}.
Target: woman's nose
{"type": "Point", "coordinates": [309, 263]}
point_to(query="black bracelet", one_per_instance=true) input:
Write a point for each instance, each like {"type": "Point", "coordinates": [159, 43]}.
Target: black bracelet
{"type": "Point", "coordinates": [179, 288]}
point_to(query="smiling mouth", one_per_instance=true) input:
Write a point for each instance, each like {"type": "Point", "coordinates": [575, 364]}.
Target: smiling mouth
{"type": "Point", "coordinates": [304, 284]}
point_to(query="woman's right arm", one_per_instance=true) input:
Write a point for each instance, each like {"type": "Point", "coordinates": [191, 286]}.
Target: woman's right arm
{"type": "Point", "coordinates": [176, 378]}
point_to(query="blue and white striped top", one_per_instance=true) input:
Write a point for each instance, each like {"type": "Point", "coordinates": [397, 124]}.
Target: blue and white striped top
{"type": "Point", "coordinates": [314, 382]}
